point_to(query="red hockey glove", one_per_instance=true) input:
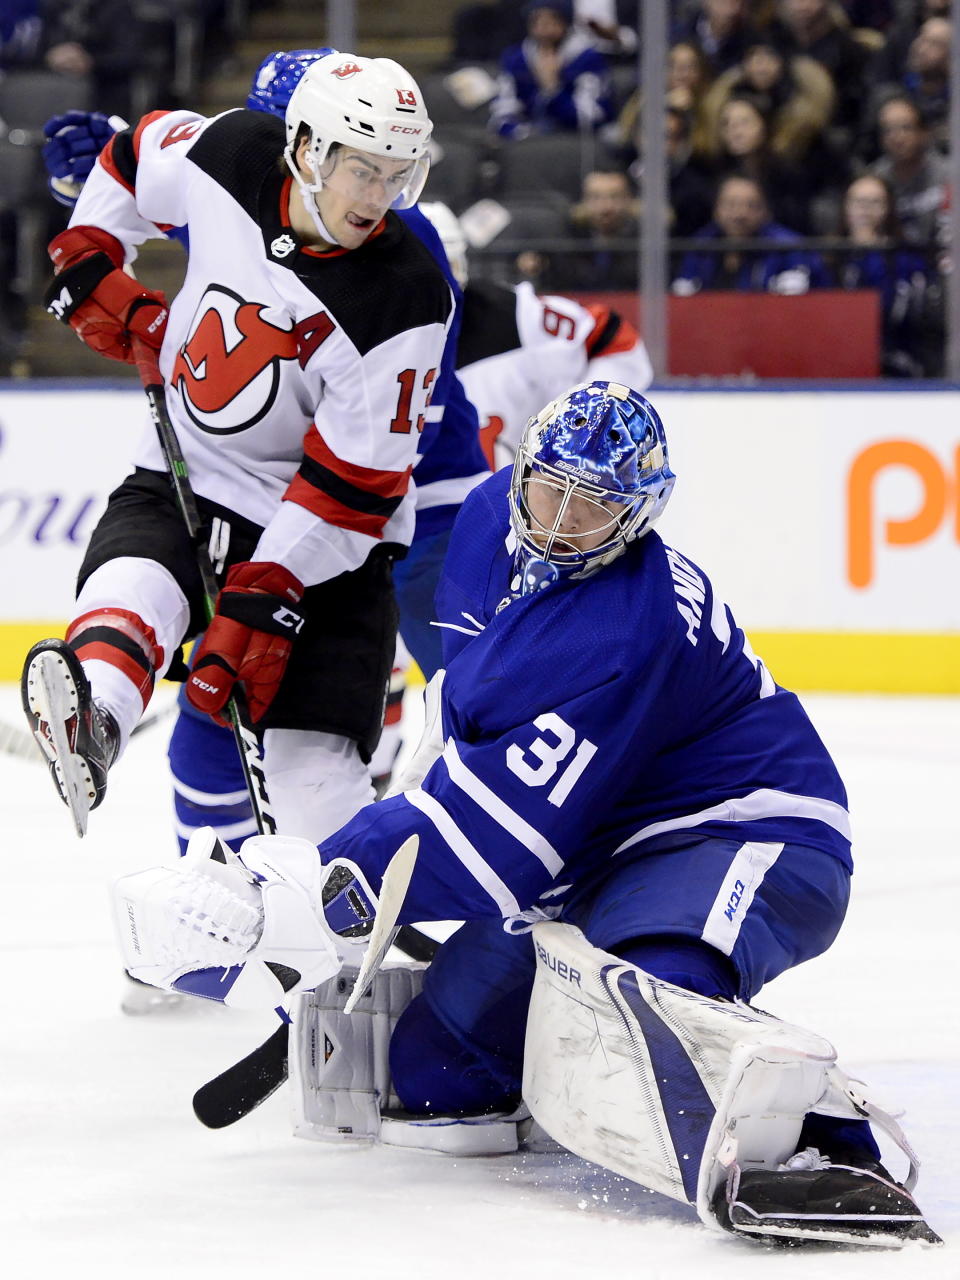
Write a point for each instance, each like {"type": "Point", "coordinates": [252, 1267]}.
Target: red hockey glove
{"type": "Point", "coordinates": [249, 639]}
{"type": "Point", "coordinates": [93, 294]}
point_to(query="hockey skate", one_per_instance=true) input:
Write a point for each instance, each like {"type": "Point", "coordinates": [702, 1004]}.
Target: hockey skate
{"type": "Point", "coordinates": [810, 1199]}
{"type": "Point", "coordinates": [79, 740]}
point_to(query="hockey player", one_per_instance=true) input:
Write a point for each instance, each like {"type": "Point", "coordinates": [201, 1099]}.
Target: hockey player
{"type": "Point", "coordinates": [208, 778]}
{"type": "Point", "coordinates": [609, 755]}
{"type": "Point", "coordinates": [518, 350]}
{"type": "Point", "coordinates": [300, 357]}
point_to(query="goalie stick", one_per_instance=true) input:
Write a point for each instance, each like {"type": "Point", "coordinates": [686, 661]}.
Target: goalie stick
{"type": "Point", "coordinates": [242, 1087]}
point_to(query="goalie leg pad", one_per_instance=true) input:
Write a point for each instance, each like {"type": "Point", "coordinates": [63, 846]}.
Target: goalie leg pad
{"type": "Point", "coordinates": [339, 1062]}
{"type": "Point", "coordinates": [668, 1088]}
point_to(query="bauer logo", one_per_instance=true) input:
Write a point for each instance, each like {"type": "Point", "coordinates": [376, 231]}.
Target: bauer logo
{"type": "Point", "coordinates": [559, 967]}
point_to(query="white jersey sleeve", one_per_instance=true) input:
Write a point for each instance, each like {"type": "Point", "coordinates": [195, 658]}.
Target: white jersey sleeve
{"type": "Point", "coordinates": [138, 188]}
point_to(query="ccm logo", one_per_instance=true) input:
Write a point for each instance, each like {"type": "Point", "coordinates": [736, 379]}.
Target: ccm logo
{"type": "Point", "coordinates": [403, 128]}
{"type": "Point", "coordinates": [939, 501]}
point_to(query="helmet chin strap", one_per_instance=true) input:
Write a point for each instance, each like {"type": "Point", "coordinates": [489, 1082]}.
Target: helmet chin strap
{"type": "Point", "coordinates": [308, 196]}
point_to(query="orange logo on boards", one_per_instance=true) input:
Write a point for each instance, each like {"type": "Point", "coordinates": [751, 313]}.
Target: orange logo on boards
{"type": "Point", "coordinates": [345, 70]}
{"type": "Point", "coordinates": [940, 491]}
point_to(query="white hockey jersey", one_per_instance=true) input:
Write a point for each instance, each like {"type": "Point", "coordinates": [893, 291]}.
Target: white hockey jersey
{"type": "Point", "coordinates": [518, 351]}
{"type": "Point", "coordinates": [297, 380]}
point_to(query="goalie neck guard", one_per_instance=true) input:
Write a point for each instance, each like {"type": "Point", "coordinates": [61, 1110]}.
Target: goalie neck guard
{"type": "Point", "coordinates": [600, 450]}
{"type": "Point", "coordinates": [372, 104]}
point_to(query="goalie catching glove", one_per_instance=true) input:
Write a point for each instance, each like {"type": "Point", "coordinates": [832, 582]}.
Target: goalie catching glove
{"type": "Point", "coordinates": [249, 639]}
{"type": "Point", "coordinates": [250, 930]}
{"type": "Point", "coordinates": [92, 293]}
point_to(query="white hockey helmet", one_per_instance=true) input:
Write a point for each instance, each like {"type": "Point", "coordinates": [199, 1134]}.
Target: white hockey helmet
{"type": "Point", "coordinates": [368, 103]}
{"type": "Point", "coordinates": [448, 228]}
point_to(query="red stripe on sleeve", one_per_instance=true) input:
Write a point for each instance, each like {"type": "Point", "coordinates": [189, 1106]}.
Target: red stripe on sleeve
{"type": "Point", "coordinates": [625, 339]}
{"type": "Point", "coordinates": [138, 132]}
{"type": "Point", "coordinates": [109, 163]}
{"type": "Point", "coordinates": [385, 484]}
{"type": "Point", "coordinates": [304, 494]}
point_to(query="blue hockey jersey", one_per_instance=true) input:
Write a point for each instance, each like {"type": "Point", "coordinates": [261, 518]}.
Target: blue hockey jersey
{"type": "Point", "coordinates": [583, 723]}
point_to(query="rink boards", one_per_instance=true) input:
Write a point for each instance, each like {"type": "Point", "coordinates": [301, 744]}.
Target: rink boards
{"type": "Point", "coordinates": [830, 519]}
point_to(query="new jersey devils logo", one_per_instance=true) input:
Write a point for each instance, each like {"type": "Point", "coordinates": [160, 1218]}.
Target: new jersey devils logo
{"type": "Point", "coordinates": [228, 370]}
{"type": "Point", "coordinates": [345, 70]}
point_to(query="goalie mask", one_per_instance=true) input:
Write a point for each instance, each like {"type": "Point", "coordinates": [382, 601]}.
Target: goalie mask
{"type": "Point", "coordinates": [591, 475]}
{"type": "Point", "coordinates": [370, 104]}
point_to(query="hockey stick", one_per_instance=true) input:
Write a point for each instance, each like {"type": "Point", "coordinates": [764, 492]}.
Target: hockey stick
{"type": "Point", "coordinates": [248, 746]}
{"type": "Point", "coordinates": [237, 1091]}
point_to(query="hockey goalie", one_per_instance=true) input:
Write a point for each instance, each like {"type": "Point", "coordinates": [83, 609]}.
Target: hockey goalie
{"type": "Point", "coordinates": [639, 827]}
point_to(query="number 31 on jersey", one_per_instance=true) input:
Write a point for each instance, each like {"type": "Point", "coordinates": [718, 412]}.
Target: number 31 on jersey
{"type": "Point", "coordinates": [552, 749]}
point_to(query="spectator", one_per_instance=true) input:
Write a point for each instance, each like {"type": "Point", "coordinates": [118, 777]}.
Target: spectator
{"type": "Point", "coordinates": [911, 15]}
{"type": "Point", "coordinates": [688, 80]}
{"type": "Point", "coordinates": [796, 94]}
{"type": "Point", "coordinates": [690, 183]}
{"type": "Point", "coordinates": [554, 80]}
{"type": "Point", "coordinates": [741, 145]}
{"type": "Point", "coordinates": [741, 212]}
{"type": "Point", "coordinates": [722, 29]}
{"type": "Point", "coordinates": [101, 39]}
{"type": "Point", "coordinates": [927, 77]}
{"type": "Point", "coordinates": [604, 228]}
{"type": "Point", "coordinates": [690, 187]}
{"type": "Point", "coordinates": [916, 173]}
{"type": "Point", "coordinates": [818, 29]}
{"type": "Point", "coordinates": [20, 32]}
{"type": "Point", "coordinates": [911, 296]}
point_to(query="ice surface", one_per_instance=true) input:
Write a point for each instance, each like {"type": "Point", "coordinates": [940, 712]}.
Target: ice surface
{"type": "Point", "coordinates": [105, 1173]}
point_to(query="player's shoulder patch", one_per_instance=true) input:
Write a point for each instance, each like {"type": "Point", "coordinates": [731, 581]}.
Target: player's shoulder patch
{"type": "Point", "coordinates": [489, 324]}
{"type": "Point", "coordinates": [238, 151]}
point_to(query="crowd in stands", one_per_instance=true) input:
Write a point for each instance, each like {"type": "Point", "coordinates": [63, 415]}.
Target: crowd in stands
{"type": "Point", "coordinates": [124, 57]}
{"type": "Point", "coordinates": [785, 120]}
{"type": "Point", "coordinates": [776, 114]}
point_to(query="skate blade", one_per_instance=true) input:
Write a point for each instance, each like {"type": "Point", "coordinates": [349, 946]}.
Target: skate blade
{"type": "Point", "coordinates": [859, 1232]}
{"type": "Point", "coordinates": [53, 697]}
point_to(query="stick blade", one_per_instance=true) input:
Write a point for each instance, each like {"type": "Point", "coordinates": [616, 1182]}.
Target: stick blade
{"type": "Point", "coordinates": [237, 1091]}
{"type": "Point", "coordinates": [393, 890]}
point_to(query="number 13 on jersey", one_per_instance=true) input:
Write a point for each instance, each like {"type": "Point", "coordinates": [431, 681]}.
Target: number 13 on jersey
{"type": "Point", "coordinates": [409, 389]}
